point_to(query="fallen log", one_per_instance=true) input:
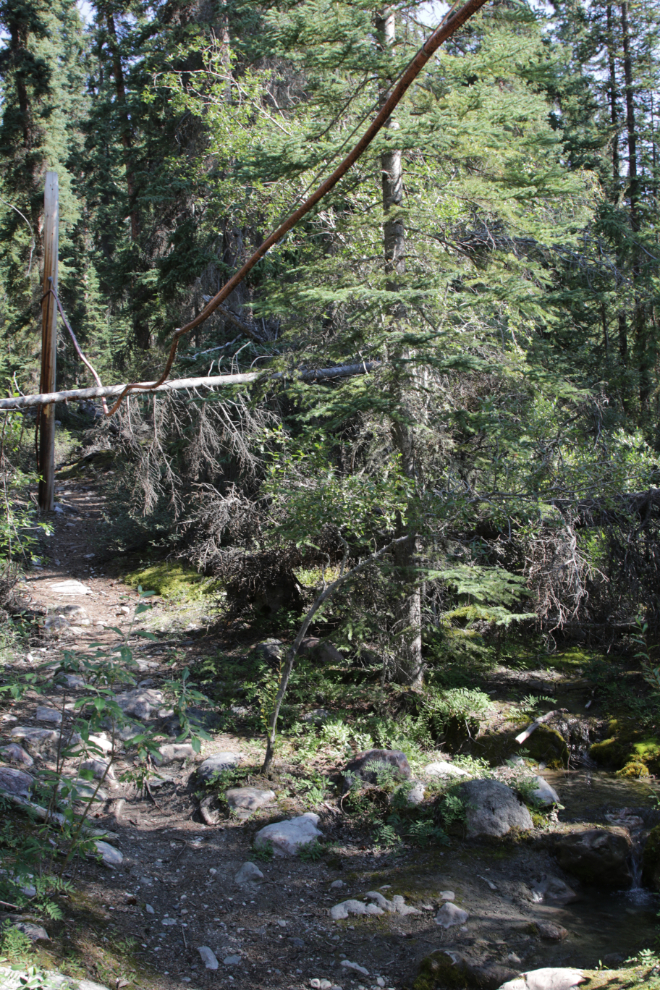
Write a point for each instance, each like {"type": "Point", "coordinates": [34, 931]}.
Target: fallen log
{"type": "Point", "coordinates": [214, 381]}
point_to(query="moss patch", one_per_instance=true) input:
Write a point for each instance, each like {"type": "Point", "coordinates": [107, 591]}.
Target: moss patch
{"type": "Point", "coordinates": [173, 580]}
{"type": "Point", "coordinates": [626, 746]}
{"type": "Point", "coordinates": [633, 769]}
{"type": "Point", "coordinates": [548, 746]}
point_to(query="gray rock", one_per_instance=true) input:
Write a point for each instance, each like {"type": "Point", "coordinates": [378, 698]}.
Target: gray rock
{"type": "Point", "coordinates": [89, 985]}
{"type": "Point", "coordinates": [492, 808]}
{"type": "Point", "coordinates": [597, 855]}
{"type": "Point", "coordinates": [248, 872]}
{"type": "Point", "coordinates": [208, 957]}
{"type": "Point", "coordinates": [73, 682]}
{"type": "Point", "coordinates": [215, 764]}
{"type": "Point", "coordinates": [354, 967]}
{"type": "Point", "coordinates": [34, 932]}
{"type": "Point", "coordinates": [396, 905]}
{"type": "Point", "coordinates": [13, 753]}
{"type": "Point", "coordinates": [38, 742]}
{"type": "Point", "coordinates": [70, 587]}
{"type": "Point", "coordinates": [234, 960]}
{"type": "Point", "coordinates": [544, 793]}
{"type": "Point", "coordinates": [98, 768]}
{"type": "Point", "coordinates": [248, 799]}
{"type": "Point", "coordinates": [450, 915]}
{"type": "Point", "coordinates": [415, 795]}
{"type": "Point", "coordinates": [287, 837]}
{"type": "Point", "coordinates": [48, 715]}
{"type": "Point", "coordinates": [550, 978]}
{"type": "Point", "coordinates": [55, 624]}
{"type": "Point", "coordinates": [149, 909]}
{"type": "Point", "coordinates": [15, 782]}
{"type": "Point", "coordinates": [365, 766]}
{"type": "Point", "coordinates": [336, 884]}
{"type": "Point", "coordinates": [142, 703]}
{"type": "Point", "coordinates": [317, 716]}
{"type": "Point", "coordinates": [110, 856]}
{"type": "Point", "coordinates": [552, 890]}
{"type": "Point", "coordinates": [447, 895]}
{"type": "Point", "coordinates": [78, 612]}
{"type": "Point", "coordinates": [271, 650]}
{"type": "Point", "coordinates": [173, 753]}
{"type": "Point", "coordinates": [341, 911]}
{"type": "Point", "coordinates": [441, 768]}
{"type": "Point", "coordinates": [322, 650]}
{"type": "Point", "coordinates": [85, 790]}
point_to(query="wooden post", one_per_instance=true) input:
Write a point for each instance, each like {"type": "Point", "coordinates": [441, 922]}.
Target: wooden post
{"type": "Point", "coordinates": [49, 343]}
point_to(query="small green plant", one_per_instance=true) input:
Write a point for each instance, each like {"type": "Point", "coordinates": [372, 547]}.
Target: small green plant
{"type": "Point", "coordinates": [386, 835]}
{"type": "Point", "coordinates": [424, 832]}
{"type": "Point", "coordinates": [311, 851]}
{"type": "Point", "coordinates": [263, 853]}
{"type": "Point", "coordinates": [14, 943]}
{"type": "Point", "coordinates": [453, 810]}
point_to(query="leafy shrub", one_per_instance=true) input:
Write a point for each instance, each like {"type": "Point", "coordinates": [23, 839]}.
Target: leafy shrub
{"type": "Point", "coordinates": [455, 713]}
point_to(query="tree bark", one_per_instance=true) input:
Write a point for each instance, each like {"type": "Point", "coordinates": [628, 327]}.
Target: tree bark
{"type": "Point", "coordinates": [126, 129]}
{"type": "Point", "coordinates": [408, 603]}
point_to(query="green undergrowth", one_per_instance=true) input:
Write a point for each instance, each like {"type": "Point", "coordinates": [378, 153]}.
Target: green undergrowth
{"type": "Point", "coordinates": [174, 581]}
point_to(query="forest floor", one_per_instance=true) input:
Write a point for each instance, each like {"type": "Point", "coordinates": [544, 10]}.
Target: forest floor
{"type": "Point", "coordinates": [140, 924]}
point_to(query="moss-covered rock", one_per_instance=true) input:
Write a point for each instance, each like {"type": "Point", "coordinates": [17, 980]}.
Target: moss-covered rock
{"type": "Point", "coordinates": [548, 746]}
{"type": "Point", "coordinates": [651, 860]}
{"type": "Point", "coordinates": [633, 769]}
{"type": "Point", "coordinates": [445, 970]}
{"type": "Point", "coordinates": [171, 580]}
{"type": "Point", "coordinates": [626, 745]}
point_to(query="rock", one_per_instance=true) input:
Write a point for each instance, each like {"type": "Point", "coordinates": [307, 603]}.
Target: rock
{"type": "Point", "coordinates": [450, 915]}
{"type": "Point", "coordinates": [168, 921]}
{"type": "Point", "coordinates": [48, 715]}
{"type": "Point", "coordinates": [271, 650]}
{"type": "Point", "coordinates": [208, 957]}
{"type": "Point", "coordinates": [98, 769]}
{"type": "Point", "coordinates": [88, 985]}
{"type": "Point", "coordinates": [546, 745]}
{"type": "Point", "coordinates": [550, 932]}
{"type": "Point", "coordinates": [13, 753]}
{"type": "Point", "coordinates": [317, 716]}
{"type": "Point", "coordinates": [597, 855]}
{"type": "Point", "coordinates": [172, 753]}
{"type": "Point", "coordinates": [77, 612]}
{"type": "Point", "coordinates": [341, 911]}
{"type": "Point", "coordinates": [651, 859]}
{"type": "Point", "coordinates": [448, 968]}
{"type": "Point", "coordinates": [43, 742]}
{"type": "Point", "coordinates": [366, 766]}
{"type": "Point", "coordinates": [553, 891]}
{"type": "Point", "coordinates": [441, 768]}
{"type": "Point", "coordinates": [336, 884]}
{"type": "Point", "coordinates": [248, 872]}
{"type": "Point", "coordinates": [248, 799]}
{"type": "Point", "coordinates": [111, 857]}
{"type": "Point", "coordinates": [215, 764]}
{"type": "Point", "coordinates": [85, 790]}
{"type": "Point", "coordinates": [232, 960]}
{"type": "Point", "coordinates": [447, 895]}
{"type": "Point", "coordinates": [54, 624]}
{"type": "Point", "coordinates": [546, 979]}
{"type": "Point", "coordinates": [141, 703]}
{"type": "Point", "coordinates": [544, 793]}
{"type": "Point", "coordinates": [355, 967]}
{"type": "Point", "coordinates": [15, 782]}
{"type": "Point", "coordinates": [288, 836]}
{"type": "Point", "coordinates": [149, 909]}
{"type": "Point", "coordinates": [325, 651]}
{"type": "Point", "coordinates": [492, 808]}
{"type": "Point", "coordinates": [396, 906]}
{"type": "Point", "coordinates": [415, 795]}
{"type": "Point", "coordinates": [70, 588]}
{"type": "Point", "coordinates": [34, 932]}
{"type": "Point", "coordinates": [74, 682]}
{"type": "Point", "coordinates": [320, 984]}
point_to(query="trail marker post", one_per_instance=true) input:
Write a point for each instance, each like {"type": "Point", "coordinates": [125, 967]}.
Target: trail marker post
{"type": "Point", "coordinates": [49, 343]}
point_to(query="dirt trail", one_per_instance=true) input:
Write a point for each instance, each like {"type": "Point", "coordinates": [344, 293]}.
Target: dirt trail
{"type": "Point", "coordinates": [176, 890]}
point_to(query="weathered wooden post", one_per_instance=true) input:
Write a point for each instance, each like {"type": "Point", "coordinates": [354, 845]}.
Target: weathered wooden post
{"type": "Point", "coordinates": [49, 342]}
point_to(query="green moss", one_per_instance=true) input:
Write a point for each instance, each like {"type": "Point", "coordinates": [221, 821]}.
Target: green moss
{"type": "Point", "coordinates": [626, 746]}
{"type": "Point", "coordinates": [172, 580]}
{"type": "Point", "coordinates": [548, 746]}
{"type": "Point", "coordinates": [633, 769]}
{"type": "Point", "coordinates": [651, 859]}
{"type": "Point", "coordinates": [437, 971]}
{"type": "Point", "coordinates": [611, 753]}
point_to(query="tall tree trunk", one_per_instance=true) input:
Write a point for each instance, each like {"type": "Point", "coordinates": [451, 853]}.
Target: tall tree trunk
{"type": "Point", "coordinates": [642, 344]}
{"type": "Point", "coordinates": [408, 606]}
{"type": "Point", "coordinates": [614, 110]}
{"type": "Point", "coordinates": [126, 129]}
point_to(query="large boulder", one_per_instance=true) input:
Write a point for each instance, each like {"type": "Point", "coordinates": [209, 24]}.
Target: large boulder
{"type": "Point", "coordinates": [214, 765]}
{"type": "Point", "coordinates": [15, 782]}
{"type": "Point", "coordinates": [598, 856]}
{"type": "Point", "coordinates": [286, 838]}
{"type": "Point", "coordinates": [651, 860]}
{"type": "Point", "coordinates": [492, 808]}
{"type": "Point", "coordinates": [549, 978]}
{"type": "Point", "coordinates": [374, 763]}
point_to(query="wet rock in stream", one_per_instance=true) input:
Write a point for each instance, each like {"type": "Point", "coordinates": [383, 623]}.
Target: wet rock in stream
{"type": "Point", "coordinates": [597, 855]}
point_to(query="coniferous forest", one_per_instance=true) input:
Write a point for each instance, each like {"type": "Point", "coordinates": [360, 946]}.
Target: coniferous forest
{"type": "Point", "coordinates": [398, 568]}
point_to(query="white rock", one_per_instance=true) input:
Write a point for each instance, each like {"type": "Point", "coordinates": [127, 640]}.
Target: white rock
{"type": "Point", "coordinates": [441, 768]}
{"type": "Point", "coordinates": [416, 793]}
{"type": "Point", "coordinates": [336, 884]}
{"type": "Point", "coordinates": [172, 753]}
{"type": "Point", "coordinates": [248, 799]}
{"type": "Point", "coordinates": [447, 895]}
{"type": "Point", "coordinates": [13, 753]}
{"type": "Point", "coordinates": [110, 856]}
{"type": "Point", "coordinates": [48, 715]}
{"type": "Point", "coordinates": [544, 793]}
{"type": "Point", "coordinates": [550, 978]}
{"type": "Point", "coordinates": [396, 906]}
{"type": "Point", "coordinates": [355, 967]}
{"type": "Point", "coordinates": [168, 921]}
{"type": "Point", "coordinates": [89, 985]}
{"type": "Point", "coordinates": [400, 906]}
{"type": "Point", "coordinates": [149, 909]}
{"type": "Point", "coordinates": [215, 764]}
{"type": "Point", "coordinates": [248, 871]}
{"type": "Point", "coordinates": [287, 837]}
{"type": "Point", "coordinates": [208, 957]}
{"type": "Point", "coordinates": [342, 910]}
{"type": "Point", "coordinates": [450, 915]}
{"type": "Point", "coordinates": [70, 588]}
